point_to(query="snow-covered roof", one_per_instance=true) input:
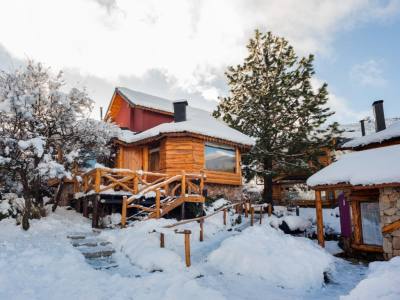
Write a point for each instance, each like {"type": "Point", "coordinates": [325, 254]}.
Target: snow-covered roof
{"type": "Point", "coordinates": [146, 100]}
{"type": "Point", "coordinates": [368, 167]}
{"type": "Point", "coordinates": [198, 122]}
{"type": "Point", "coordinates": [392, 131]}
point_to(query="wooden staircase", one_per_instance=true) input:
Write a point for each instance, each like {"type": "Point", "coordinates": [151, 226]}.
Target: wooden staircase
{"type": "Point", "coordinates": [170, 193]}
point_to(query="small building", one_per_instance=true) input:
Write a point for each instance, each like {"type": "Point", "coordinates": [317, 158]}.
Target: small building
{"type": "Point", "coordinates": [368, 183]}
{"type": "Point", "coordinates": [170, 137]}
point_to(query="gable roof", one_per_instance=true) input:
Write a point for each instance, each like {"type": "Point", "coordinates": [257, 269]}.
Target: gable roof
{"type": "Point", "coordinates": [368, 167]}
{"type": "Point", "coordinates": [198, 122]}
{"type": "Point", "coordinates": [392, 132]}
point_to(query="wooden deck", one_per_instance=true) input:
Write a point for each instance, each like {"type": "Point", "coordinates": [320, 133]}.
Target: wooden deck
{"type": "Point", "coordinates": [129, 188]}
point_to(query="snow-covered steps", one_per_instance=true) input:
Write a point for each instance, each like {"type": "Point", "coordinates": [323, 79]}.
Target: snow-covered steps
{"type": "Point", "coordinates": [98, 252]}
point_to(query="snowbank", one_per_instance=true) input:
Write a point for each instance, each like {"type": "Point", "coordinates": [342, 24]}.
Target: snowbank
{"type": "Point", "coordinates": [382, 282]}
{"type": "Point", "coordinates": [282, 260]}
{"type": "Point", "coordinates": [42, 264]}
{"type": "Point", "coordinates": [374, 166]}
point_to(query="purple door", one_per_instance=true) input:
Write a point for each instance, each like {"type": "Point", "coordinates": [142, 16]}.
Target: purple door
{"type": "Point", "coordinates": [345, 218]}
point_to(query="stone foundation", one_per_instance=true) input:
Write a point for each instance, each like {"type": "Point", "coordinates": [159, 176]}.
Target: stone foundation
{"type": "Point", "coordinates": [228, 192]}
{"type": "Point", "coordinates": [389, 206]}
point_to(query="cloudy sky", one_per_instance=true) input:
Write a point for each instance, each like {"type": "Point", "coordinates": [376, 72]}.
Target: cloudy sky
{"type": "Point", "coordinates": [180, 49]}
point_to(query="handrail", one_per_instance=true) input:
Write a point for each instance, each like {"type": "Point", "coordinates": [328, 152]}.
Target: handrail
{"type": "Point", "coordinates": [206, 216]}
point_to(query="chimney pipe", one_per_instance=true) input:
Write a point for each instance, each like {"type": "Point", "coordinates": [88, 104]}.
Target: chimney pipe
{"type": "Point", "coordinates": [362, 127]}
{"type": "Point", "coordinates": [101, 113]}
{"type": "Point", "coordinates": [180, 110]}
{"type": "Point", "coordinates": [379, 115]}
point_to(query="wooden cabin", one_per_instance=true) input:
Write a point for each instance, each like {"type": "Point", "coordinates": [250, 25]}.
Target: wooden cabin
{"type": "Point", "coordinates": [368, 182]}
{"type": "Point", "coordinates": [171, 137]}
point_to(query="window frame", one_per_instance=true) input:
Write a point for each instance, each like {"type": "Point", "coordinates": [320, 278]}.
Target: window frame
{"type": "Point", "coordinates": [223, 147]}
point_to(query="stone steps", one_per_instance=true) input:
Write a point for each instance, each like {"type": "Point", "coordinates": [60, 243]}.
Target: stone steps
{"type": "Point", "coordinates": [98, 252]}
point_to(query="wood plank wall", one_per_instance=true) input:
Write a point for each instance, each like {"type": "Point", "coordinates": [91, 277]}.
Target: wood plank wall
{"type": "Point", "coordinates": [178, 154]}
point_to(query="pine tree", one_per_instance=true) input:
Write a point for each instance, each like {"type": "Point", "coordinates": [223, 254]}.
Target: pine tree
{"type": "Point", "coordinates": [272, 99]}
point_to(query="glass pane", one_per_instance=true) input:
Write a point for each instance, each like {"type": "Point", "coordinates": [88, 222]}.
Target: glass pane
{"type": "Point", "coordinates": [220, 159]}
{"type": "Point", "coordinates": [370, 221]}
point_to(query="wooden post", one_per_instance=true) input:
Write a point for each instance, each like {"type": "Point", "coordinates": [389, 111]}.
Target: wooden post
{"type": "Point", "coordinates": [158, 210]}
{"type": "Point", "coordinates": [183, 184]}
{"type": "Point", "coordinates": [162, 240]}
{"type": "Point", "coordinates": [124, 211]}
{"type": "Point", "coordinates": [246, 212]}
{"type": "Point", "coordinates": [97, 181]}
{"type": "Point", "coordinates": [224, 216]}
{"type": "Point", "coordinates": [320, 222]}
{"type": "Point", "coordinates": [85, 208]}
{"type": "Point", "coordinates": [269, 209]}
{"type": "Point", "coordinates": [201, 187]}
{"type": "Point", "coordinates": [135, 184]}
{"type": "Point", "coordinates": [187, 247]}
{"type": "Point", "coordinates": [251, 216]}
{"type": "Point", "coordinates": [355, 211]}
{"type": "Point", "coordinates": [95, 214]}
{"type": "Point", "coordinates": [201, 230]}
{"type": "Point", "coordinates": [261, 213]}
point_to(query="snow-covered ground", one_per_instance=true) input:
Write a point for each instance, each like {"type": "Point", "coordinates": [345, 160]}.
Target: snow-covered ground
{"type": "Point", "coordinates": [233, 262]}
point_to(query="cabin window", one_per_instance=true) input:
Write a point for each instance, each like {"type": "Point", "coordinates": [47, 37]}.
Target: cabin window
{"type": "Point", "coordinates": [370, 223]}
{"type": "Point", "coordinates": [220, 158]}
{"type": "Point", "coordinates": [154, 159]}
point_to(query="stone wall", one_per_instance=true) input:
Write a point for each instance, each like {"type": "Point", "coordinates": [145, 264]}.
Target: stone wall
{"type": "Point", "coordinates": [389, 205]}
{"type": "Point", "coordinates": [229, 192]}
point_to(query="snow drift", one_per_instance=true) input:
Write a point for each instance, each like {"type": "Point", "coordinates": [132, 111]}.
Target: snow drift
{"type": "Point", "coordinates": [382, 282]}
{"type": "Point", "coordinates": [280, 259]}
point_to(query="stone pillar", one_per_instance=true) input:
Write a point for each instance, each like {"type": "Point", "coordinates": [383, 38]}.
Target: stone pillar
{"type": "Point", "coordinates": [389, 206]}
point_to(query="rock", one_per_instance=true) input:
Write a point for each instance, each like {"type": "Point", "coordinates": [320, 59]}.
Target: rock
{"type": "Point", "coordinates": [387, 246]}
{"type": "Point", "coordinates": [396, 243]}
{"type": "Point", "coordinates": [390, 211]}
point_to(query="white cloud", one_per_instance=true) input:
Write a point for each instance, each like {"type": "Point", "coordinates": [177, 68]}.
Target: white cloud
{"type": "Point", "coordinates": [190, 42]}
{"type": "Point", "coordinates": [369, 73]}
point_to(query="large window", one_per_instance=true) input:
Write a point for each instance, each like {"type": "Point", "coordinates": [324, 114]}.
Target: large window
{"type": "Point", "coordinates": [220, 158]}
{"type": "Point", "coordinates": [370, 223]}
{"type": "Point", "coordinates": [154, 159]}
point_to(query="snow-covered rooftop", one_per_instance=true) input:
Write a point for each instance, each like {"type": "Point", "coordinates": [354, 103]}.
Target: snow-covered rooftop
{"type": "Point", "coordinates": [198, 121]}
{"type": "Point", "coordinates": [392, 131]}
{"type": "Point", "coordinates": [368, 167]}
{"type": "Point", "coordinates": [150, 101]}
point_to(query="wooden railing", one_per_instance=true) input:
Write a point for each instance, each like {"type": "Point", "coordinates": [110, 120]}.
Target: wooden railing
{"type": "Point", "coordinates": [166, 194]}
{"type": "Point", "coordinates": [104, 179]}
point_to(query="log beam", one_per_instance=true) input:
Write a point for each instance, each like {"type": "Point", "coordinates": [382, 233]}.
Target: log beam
{"type": "Point", "coordinates": [320, 222]}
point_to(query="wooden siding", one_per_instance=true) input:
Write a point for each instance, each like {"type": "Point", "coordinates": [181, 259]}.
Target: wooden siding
{"type": "Point", "coordinates": [130, 158]}
{"type": "Point", "coordinates": [178, 154]}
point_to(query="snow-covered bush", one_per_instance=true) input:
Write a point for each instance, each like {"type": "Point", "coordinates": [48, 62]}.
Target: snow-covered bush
{"type": "Point", "coordinates": [11, 205]}
{"type": "Point", "coordinates": [44, 132]}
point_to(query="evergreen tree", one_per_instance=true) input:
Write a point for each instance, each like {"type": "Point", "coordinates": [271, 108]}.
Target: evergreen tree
{"type": "Point", "coordinates": [272, 99]}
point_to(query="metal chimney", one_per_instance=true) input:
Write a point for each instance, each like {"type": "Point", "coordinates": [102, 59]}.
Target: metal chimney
{"type": "Point", "coordinates": [362, 127]}
{"type": "Point", "coordinates": [379, 115]}
{"type": "Point", "coordinates": [180, 110]}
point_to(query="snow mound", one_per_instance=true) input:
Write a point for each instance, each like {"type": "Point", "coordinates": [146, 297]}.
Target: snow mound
{"type": "Point", "coordinates": [382, 282]}
{"type": "Point", "coordinates": [142, 246]}
{"type": "Point", "coordinates": [282, 260]}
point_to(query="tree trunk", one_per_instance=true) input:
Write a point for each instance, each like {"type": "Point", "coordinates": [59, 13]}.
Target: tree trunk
{"type": "Point", "coordinates": [58, 195]}
{"type": "Point", "coordinates": [267, 193]}
{"type": "Point", "coordinates": [27, 213]}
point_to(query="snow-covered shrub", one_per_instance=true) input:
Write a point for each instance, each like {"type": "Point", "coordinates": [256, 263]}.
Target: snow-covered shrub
{"type": "Point", "coordinates": [11, 206]}
{"type": "Point", "coordinates": [283, 260]}
{"type": "Point", "coordinates": [44, 132]}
